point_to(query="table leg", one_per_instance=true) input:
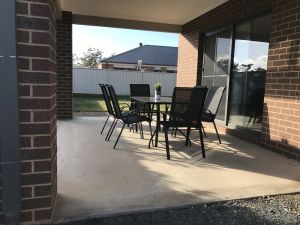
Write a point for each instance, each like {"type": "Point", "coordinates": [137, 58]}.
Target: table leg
{"type": "Point", "coordinates": [157, 124]}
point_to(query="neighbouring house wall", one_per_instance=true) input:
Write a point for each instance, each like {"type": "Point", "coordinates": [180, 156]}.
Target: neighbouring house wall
{"type": "Point", "coordinates": [281, 122]}
{"type": "Point", "coordinates": [36, 51]}
{"type": "Point", "coordinates": [64, 67]}
{"type": "Point", "coordinates": [191, 37]}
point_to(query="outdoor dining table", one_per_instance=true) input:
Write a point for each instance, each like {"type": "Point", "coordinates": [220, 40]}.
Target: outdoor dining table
{"type": "Point", "coordinates": [153, 101]}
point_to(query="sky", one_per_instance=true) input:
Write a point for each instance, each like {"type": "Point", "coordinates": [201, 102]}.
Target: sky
{"type": "Point", "coordinates": [114, 40]}
{"type": "Point", "coordinates": [251, 52]}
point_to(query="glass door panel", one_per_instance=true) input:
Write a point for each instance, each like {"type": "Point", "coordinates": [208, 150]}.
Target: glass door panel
{"type": "Point", "coordinates": [216, 64]}
{"type": "Point", "coordinates": [249, 73]}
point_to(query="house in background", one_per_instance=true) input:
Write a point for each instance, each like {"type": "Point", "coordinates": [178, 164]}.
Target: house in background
{"type": "Point", "coordinates": [144, 58]}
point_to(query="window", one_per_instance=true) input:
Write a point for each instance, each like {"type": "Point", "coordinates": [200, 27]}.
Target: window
{"type": "Point", "coordinates": [249, 73]}
{"type": "Point", "coordinates": [242, 104]}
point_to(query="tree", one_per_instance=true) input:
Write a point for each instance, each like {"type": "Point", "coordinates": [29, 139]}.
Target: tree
{"type": "Point", "coordinates": [76, 61]}
{"type": "Point", "coordinates": [91, 58]}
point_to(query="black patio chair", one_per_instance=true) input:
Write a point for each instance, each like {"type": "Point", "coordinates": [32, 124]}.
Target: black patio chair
{"type": "Point", "coordinates": [110, 110]}
{"type": "Point", "coordinates": [108, 105]}
{"type": "Point", "coordinates": [131, 118]}
{"type": "Point", "coordinates": [141, 90]}
{"type": "Point", "coordinates": [186, 108]}
{"type": "Point", "coordinates": [211, 106]}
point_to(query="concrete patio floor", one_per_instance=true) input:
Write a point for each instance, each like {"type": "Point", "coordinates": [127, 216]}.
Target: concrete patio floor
{"type": "Point", "coordinates": [96, 180]}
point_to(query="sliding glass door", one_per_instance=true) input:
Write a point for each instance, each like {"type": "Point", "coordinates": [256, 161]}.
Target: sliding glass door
{"type": "Point", "coordinates": [241, 68]}
{"type": "Point", "coordinates": [249, 73]}
{"type": "Point", "coordinates": [216, 64]}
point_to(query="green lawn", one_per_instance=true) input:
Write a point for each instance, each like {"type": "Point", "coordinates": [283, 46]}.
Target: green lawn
{"type": "Point", "coordinates": [93, 103]}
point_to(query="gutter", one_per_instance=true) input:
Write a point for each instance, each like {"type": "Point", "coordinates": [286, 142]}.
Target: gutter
{"type": "Point", "coordinates": [9, 116]}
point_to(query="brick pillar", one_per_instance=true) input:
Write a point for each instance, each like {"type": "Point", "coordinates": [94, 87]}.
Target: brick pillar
{"type": "Point", "coordinates": [64, 67]}
{"type": "Point", "coordinates": [281, 122]}
{"type": "Point", "coordinates": [187, 59]}
{"type": "Point", "coordinates": [36, 50]}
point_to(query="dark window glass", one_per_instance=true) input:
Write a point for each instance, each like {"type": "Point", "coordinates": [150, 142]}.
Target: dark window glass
{"type": "Point", "coordinates": [249, 73]}
{"type": "Point", "coordinates": [209, 56]}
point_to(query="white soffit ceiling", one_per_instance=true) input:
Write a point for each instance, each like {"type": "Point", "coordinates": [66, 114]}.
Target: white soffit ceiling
{"type": "Point", "coordinates": [176, 12]}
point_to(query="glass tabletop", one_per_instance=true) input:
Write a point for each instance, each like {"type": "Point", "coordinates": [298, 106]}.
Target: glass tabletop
{"type": "Point", "coordinates": [152, 100]}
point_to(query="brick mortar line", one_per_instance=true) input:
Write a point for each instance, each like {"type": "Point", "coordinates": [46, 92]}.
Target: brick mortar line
{"type": "Point", "coordinates": [32, 16]}
{"type": "Point", "coordinates": [37, 3]}
{"type": "Point", "coordinates": [35, 122]}
{"type": "Point", "coordinates": [36, 31]}
{"type": "Point", "coordinates": [44, 147]}
{"type": "Point", "coordinates": [38, 71]}
{"type": "Point", "coordinates": [38, 85]}
{"type": "Point", "coordinates": [36, 97]}
{"type": "Point", "coordinates": [41, 58]}
{"type": "Point", "coordinates": [38, 110]}
{"type": "Point", "coordinates": [36, 135]}
{"type": "Point", "coordinates": [36, 44]}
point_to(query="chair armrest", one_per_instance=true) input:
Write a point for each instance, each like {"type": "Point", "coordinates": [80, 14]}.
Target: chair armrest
{"type": "Point", "coordinates": [125, 106]}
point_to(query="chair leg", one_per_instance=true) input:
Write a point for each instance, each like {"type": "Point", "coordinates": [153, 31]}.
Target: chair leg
{"type": "Point", "coordinates": [172, 134]}
{"type": "Point", "coordinates": [187, 138]}
{"type": "Point", "coordinates": [167, 143]}
{"type": "Point", "coordinates": [217, 132]}
{"type": "Point", "coordinates": [141, 131]}
{"type": "Point", "coordinates": [151, 139]}
{"type": "Point", "coordinates": [202, 143]}
{"type": "Point", "coordinates": [150, 128]}
{"type": "Point", "coordinates": [104, 124]}
{"type": "Point", "coordinates": [110, 129]}
{"type": "Point", "coordinates": [119, 136]}
{"type": "Point", "coordinates": [202, 127]}
{"type": "Point", "coordinates": [175, 134]}
{"type": "Point", "coordinates": [177, 129]}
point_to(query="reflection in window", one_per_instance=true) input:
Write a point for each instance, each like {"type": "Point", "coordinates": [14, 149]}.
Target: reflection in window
{"type": "Point", "coordinates": [223, 53]}
{"type": "Point", "coordinates": [249, 73]}
{"type": "Point", "coordinates": [216, 64]}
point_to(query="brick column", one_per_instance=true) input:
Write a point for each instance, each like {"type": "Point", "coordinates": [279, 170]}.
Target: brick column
{"type": "Point", "coordinates": [187, 60]}
{"type": "Point", "coordinates": [64, 67]}
{"type": "Point", "coordinates": [281, 123]}
{"type": "Point", "coordinates": [36, 50]}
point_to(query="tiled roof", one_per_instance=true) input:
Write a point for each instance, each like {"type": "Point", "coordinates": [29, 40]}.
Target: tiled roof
{"type": "Point", "coordinates": [150, 54]}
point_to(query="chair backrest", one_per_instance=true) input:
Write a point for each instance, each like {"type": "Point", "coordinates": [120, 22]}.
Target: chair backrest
{"type": "Point", "coordinates": [140, 90]}
{"type": "Point", "coordinates": [196, 105]}
{"type": "Point", "coordinates": [180, 100]}
{"type": "Point", "coordinates": [114, 100]}
{"type": "Point", "coordinates": [213, 100]}
{"type": "Point", "coordinates": [106, 99]}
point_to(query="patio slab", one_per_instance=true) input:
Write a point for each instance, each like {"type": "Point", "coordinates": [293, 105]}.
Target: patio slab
{"type": "Point", "coordinates": [96, 180]}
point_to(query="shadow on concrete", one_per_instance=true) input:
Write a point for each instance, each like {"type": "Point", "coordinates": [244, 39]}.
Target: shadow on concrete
{"type": "Point", "coordinates": [94, 180]}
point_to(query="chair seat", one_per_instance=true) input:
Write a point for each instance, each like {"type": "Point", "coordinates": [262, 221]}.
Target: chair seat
{"type": "Point", "coordinates": [130, 119]}
{"type": "Point", "coordinates": [206, 117]}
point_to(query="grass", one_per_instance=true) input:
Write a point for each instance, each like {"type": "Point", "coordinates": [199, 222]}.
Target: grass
{"type": "Point", "coordinates": [96, 103]}
{"type": "Point", "coordinates": [93, 103]}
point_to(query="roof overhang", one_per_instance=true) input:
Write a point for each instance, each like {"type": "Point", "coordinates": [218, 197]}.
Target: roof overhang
{"type": "Point", "coordinates": [167, 15]}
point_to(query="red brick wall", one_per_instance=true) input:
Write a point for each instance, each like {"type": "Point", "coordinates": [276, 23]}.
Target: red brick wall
{"type": "Point", "coordinates": [187, 60]}
{"type": "Point", "coordinates": [64, 67]}
{"type": "Point", "coordinates": [191, 38]}
{"type": "Point", "coordinates": [36, 50]}
{"type": "Point", "coordinates": [281, 123]}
